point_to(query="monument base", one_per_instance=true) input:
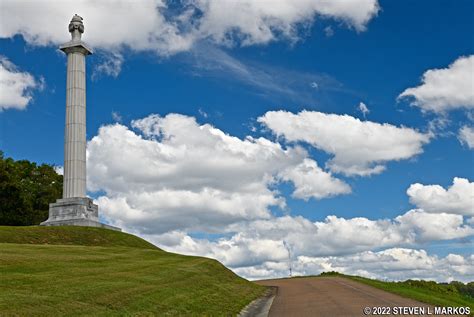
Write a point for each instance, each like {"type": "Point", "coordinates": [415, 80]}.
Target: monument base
{"type": "Point", "coordinates": [77, 211]}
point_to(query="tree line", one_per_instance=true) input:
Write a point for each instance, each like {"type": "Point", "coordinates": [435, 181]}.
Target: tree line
{"type": "Point", "coordinates": [26, 190]}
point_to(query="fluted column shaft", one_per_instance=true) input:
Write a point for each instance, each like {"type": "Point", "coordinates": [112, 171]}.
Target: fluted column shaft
{"type": "Point", "coordinates": [75, 129]}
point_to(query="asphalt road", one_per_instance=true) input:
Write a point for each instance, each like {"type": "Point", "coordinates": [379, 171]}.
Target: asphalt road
{"type": "Point", "coordinates": [331, 296]}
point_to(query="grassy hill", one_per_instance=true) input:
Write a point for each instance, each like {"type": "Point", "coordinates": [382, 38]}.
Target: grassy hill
{"type": "Point", "coordinates": [69, 235]}
{"type": "Point", "coordinates": [77, 271]}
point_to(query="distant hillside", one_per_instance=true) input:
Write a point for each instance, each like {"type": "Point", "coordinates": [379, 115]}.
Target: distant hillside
{"type": "Point", "coordinates": [74, 271]}
{"type": "Point", "coordinates": [437, 294]}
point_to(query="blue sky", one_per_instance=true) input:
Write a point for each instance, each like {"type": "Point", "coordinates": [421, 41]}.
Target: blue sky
{"type": "Point", "coordinates": [329, 63]}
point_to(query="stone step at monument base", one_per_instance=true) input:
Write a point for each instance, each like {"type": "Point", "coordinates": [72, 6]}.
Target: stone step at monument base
{"type": "Point", "coordinates": [79, 222]}
{"type": "Point", "coordinates": [76, 211]}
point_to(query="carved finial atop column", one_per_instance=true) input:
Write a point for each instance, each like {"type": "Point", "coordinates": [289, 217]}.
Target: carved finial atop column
{"type": "Point", "coordinates": [76, 28]}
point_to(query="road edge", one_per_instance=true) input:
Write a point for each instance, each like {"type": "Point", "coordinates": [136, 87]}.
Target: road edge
{"type": "Point", "coordinates": [260, 307]}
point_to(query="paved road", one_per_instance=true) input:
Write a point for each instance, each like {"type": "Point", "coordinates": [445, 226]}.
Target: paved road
{"type": "Point", "coordinates": [330, 296]}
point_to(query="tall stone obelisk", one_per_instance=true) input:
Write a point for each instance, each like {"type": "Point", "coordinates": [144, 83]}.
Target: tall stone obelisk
{"type": "Point", "coordinates": [75, 208]}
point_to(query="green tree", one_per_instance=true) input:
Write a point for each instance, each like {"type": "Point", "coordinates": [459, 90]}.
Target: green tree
{"type": "Point", "coordinates": [26, 190]}
{"type": "Point", "coordinates": [466, 289]}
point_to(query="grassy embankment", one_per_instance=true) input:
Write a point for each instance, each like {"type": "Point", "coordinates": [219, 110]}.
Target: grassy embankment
{"type": "Point", "coordinates": [75, 271]}
{"type": "Point", "coordinates": [436, 294]}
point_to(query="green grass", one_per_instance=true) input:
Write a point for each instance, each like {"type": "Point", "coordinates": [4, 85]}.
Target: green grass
{"type": "Point", "coordinates": [110, 273]}
{"type": "Point", "coordinates": [427, 292]}
{"type": "Point", "coordinates": [69, 235]}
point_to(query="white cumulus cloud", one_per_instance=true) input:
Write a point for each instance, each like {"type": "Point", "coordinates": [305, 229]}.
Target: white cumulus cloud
{"type": "Point", "coordinates": [359, 147]}
{"type": "Point", "coordinates": [256, 22]}
{"type": "Point", "coordinates": [170, 177]}
{"type": "Point", "coordinates": [393, 264]}
{"type": "Point", "coordinates": [445, 89]}
{"type": "Point", "coordinates": [335, 236]}
{"type": "Point", "coordinates": [176, 174]}
{"type": "Point", "coordinates": [15, 86]}
{"type": "Point", "coordinates": [311, 181]}
{"type": "Point", "coordinates": [109, 24]}
{"type": "Point", "coordinates": [457, 199]}
{"type": "Point", "coordinates": [152, 25]}
{"type": "Point", "coordinates": [256, 249]}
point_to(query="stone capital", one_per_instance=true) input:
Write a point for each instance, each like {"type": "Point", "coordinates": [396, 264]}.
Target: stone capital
{"type": "Point", "coordinates": [76, 47]}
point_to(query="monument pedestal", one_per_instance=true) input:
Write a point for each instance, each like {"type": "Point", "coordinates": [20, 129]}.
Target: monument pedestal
{"type": "Point", "coordinates": [76, 211]}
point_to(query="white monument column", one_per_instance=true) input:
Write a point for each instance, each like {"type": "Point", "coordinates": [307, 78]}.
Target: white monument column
{"type": "Point", "coordinates": [75, 208]}
{"type": "Point", "coordinates": [74, 184]}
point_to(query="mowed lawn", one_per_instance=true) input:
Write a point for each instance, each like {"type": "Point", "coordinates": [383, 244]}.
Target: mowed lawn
{"type": "Point", "coordinates": [73, 280]}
